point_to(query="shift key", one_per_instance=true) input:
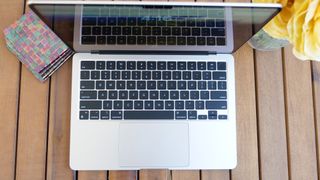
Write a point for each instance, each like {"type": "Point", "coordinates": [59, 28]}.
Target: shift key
{"type": "Point", "coordinates": [90, 104]}
{"type": "Point", "coordinates": [216, 104]}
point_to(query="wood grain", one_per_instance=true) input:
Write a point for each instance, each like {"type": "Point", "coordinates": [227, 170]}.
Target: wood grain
{"type": "Point", "coordinates": [300, 118]}
{"type": "Point", "coordinates": [316, 100]}
{"type": "Point", "coordinates": [9, 91]}
{"type": "Point", "coordinates": [154, 174]}
{"type": "Point", "coordinates": [185, 175]}
{"type": "Point", "coordinates": [123, 175]}
{"type": "Point", "coordinates": [271, 115]}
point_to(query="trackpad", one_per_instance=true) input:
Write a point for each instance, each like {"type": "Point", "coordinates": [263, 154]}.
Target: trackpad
{"type": "Point", "coordinates": [154, 144]}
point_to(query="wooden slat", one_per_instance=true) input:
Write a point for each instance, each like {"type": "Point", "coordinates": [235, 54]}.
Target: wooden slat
{"type": "Point", "coordinates": [92, 175]}
{"type": "Point", "coordinates": [154, 174]}
{"type": "Point", "coordinates": [316, 99]}
{"type": "Point", "coordinates": [9, 91]}
{"type": "Point", "coordinates": [123, 175]}
{"type": "Point", "coordinates": [271, 115]}
{"type": "Point", "coordinates": [300, 118]}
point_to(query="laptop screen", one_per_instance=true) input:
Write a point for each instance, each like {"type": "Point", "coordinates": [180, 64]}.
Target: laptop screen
{"type": "Point", "coordinates": [220, 28]}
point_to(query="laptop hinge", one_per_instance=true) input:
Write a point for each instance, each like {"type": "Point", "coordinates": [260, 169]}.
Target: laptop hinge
{"type": "Point", "coordinates": [154, 52]}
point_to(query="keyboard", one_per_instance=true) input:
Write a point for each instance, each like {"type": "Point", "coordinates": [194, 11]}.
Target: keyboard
{"type": "Point", "coordinates": [153, 90]}
{"type": "Point", "coordinates": [151, 29]}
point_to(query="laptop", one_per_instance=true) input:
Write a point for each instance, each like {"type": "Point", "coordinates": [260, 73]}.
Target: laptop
{"type": "Point", "coordinates": [153, 83]}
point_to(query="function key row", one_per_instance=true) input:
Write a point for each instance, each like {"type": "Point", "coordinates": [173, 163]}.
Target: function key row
{"type": "Point", "coordinates": [152, 65]}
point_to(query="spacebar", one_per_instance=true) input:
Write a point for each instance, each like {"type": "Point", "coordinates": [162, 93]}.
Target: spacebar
{"type": "Point", "coordinates": [153, 115]}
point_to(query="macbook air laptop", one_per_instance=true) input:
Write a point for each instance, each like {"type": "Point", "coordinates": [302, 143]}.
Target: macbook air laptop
{"type": "Point", "coordinates": [153, 83]}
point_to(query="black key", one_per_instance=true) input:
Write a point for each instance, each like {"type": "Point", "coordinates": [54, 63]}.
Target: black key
{"type": "Point", "coordinates": [142, 21]}
{"type": "Point", "coordinates": [176, 75]}
{"type": "Point", "coordinates": [222, 65]}
{"type": "Point", "coordinates": [186, 31]}
{"type": "Point", "coordinates": [87, 64]}
{"type": "Point", "coordinates": [141, 65]}
{"type": "Point", "coordinates": [100, 85]}
{"type": "Point", "coordinates": [151, 40]}
{"type": "Point", "coordinates": [148, 104]}
{"type": "Point", "coordinates": [206, 75]}
{"type": "Point", "coordinates": [84, 115]}
{"type": "Point", "coordinates": [216, 104]}
{"type": "Point", "coordinates": [106, 31]}
{"type": "Point", "coordinates": [88, 94]}
{"type": "Point", "coordinates": [112, 21]}
{"type": "Point", "coordinates": [121, 40]}
{"type": "Point", "coordinates": [123, 94]}
{"type": "Point", "coordinates": [107, 104]}
{"type": "Point", "coordinates": [122, 21]}
{"type": "Point", "coordinates": [161, 40]}
{"type": "Point", "coordinates": [121, 65]}
{"type": "Point", "coordinates": [182, 85]}
{"type": "Point", "coordinates": [115, 75]}
{"type": "Point", "coordinates": [189, 104]}
{"type": "Point", "coordinates": [212, 113]}
{"type": "Point", "coordinates": [148, 115]}
{"type": "Point", "coordinates": [102, 95]}
{"type": "Point", "coordinates": [100, 65]}
{"type": "Point", "coordinates": [192, 114]}
{"type": "Point", "coordinates": [176, 31]}
{"type": "Point", "coordinates": [128, 104]}
{"type": "Point", "coordinates": [162, 85]}
{"type": "Point", "coordinates": [141, 40]}
{"type": "Point", "coordinates": [171, 22]}
{"type": "Point", "coordinates": [138, 104]}
{"type": "Point", "coordinates": [221, 41]}
{"type": "Point", "coordinates": [201, 65]}
{"type": "Point", "coordinates": [96, 30]}
{"type": "Point", "coordinates": [86, 30]}
{"type": "Point", "coordinates": [131, 85]}
{"type": "Point", "coordinates": [156, 75]}
{"type": "Point", "coordinates": [156, 31]}
{"type": "Point", "coordinates": [211, 41]}
{"type": "Point", "coordinates": [222, 85]}
{"type": "Point", "coordinates": [195, 31]}
{"type": "Point", "coordinates": [154, 95]}
{"type": "Point", "coordinates": [161, 65]}
{"type": "Point", "coordinates": [211, 65]}
{"type": "Point", "coordinates": [220, 23]}
{"type": "Point", "coordinates": [191, 22]}
{"type": "Point", "coordinates": [204, 94]}
{"type": "Point", "coordinates": [200, 105]}
{"type": "Point", "coordinates": [218, 32]}
{"type": "Point", "coordinates": [201, 41]}
{"type": "Point", "coordinates": [151, 85]}
{"type": "Point", "coordinates": [202, 117]}
{"type": "Point", "coordinates": [91, 21]}
{"type": "Point", "coordinates": [146, 74]}
{"type": "Point", "coordinates": [192, 85]}
{"type": "Point", "coordinates": [133, 94]}
{"type": "Point", "coordinates": [85, 75]}
{"type": "Point", "coordinates": [212, 85]}
{"type": "Point", "coordinates": [161, 22]}
{"type": "Point", "coordinates": [166, 31]}
{"type": "Point", "coordinates": [102, 21]}
{"type": "Point", "coordinates": [110, 84]}
{"type": "Point", "coordinates": [202, 85]}
{"type": "Point", "coordinates": [164, 95]}
{"type": "Point", "coordinates": [131, 40]}
{"type": "Point", "coordinates": [205, 31]}
{"type": "Point", "coordinates": [152, 21]}
{"type": "Point", "coordinates": [169, 104]}
{"type": "Point", "coordinates": [171, 65]}
{"type": "Point", "coordinates": [212, 117]}
{"type": "Point", "coordinates": [116, 30]}
{"type": "Point", "coordinates": [86, 84]}
{"type": "Point", "coordinates": [181, 41]}
{"type": "Point", "coordinates": [210, 22]}
{"type": "Point", "coordinates": [111, 40]}
{"type": "Point", "coordinates": [166, 75]}
{"type": "Point", "coordinates": [104, 115]}
{"type": "Point", "coordinates": [218, 94]}
{"type": "Point", "coordinates": [131, 65]}
{"type": "Point", "coordinates": [117, 104]}
{"type": "Point", "coordinates": [151, 65]}
{"type": "Point", "coordinates": [181, 114]}
{"type": "Point", "coordinates": [146, 31]}
{"type": "Point", "coordinates": [158, 104]}
{"type": "Point", "coordinates": [171, 40]}
{"type": "Point", "coordinates": [88, 40]}
{"type": "Point", "coordinates": [143, 94]}
{"type": "Point", "coordinates": [200, 23]}
{"type": "Point", "coordinates": [113, 95]}
{"type": "Point", "coordinates": [174, 94]}
{"type": "Point", "coordinates": [191, 40]}
{"type": "Point", "coordinates": [223, 117]}
{"type": "Point", "coordinates": [126, 31]}
{"type": "Point", "coordinates": [136, 31]}
{"type": "Point", "coordinates": [141, 84]}
{"type": "Point", "coordinates": [186, 75]}
{"type": "Point", "coordinates": [90, 104]}
{"type": "Point", "coordinates": [111, 65]}
{"type": "Point", "coordinates": [219, 76]}
{"type": "Point", "coordinates": [181, 22]}
{"type": "Point", "coordinates": [171, 85]}
{"type": "Point", "coordinates": [179, 105]}
{"type": "Point", "coordinates": [94, 115]}
{"type": "Point", "coordinates": [95, 74]}
{"type": "Point", "coordinates": [116, 114]}
{"type": "Point", "coordinates": [125, 74]}
{"type": "Point", "coordinates": [136, 75]}
{"type": "Point", "coordinates": [182, 65]}
{"type": "Point", "coordinates": [132, 21]}
{"type": "Point", "coordinates": [192, 65]}
{"type": "Point", "coordinates": [196, 75]}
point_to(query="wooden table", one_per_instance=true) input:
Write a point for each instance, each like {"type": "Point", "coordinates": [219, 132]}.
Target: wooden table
{"type": "Point", "coordinates": [278, 114]}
